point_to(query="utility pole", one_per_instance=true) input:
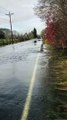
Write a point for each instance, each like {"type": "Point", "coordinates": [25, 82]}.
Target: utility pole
{"type": "Point", "coordinates": [10, 14]}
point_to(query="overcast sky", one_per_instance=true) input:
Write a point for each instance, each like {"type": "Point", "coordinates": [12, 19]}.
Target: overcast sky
{"type": "Point", "coordinates": [24, 19]}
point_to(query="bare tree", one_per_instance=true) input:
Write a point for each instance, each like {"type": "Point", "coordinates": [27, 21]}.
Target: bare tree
{"type": "Point", "coordinates": [54, 11]}
{"type": "Point", "coordinates": [51, 9]}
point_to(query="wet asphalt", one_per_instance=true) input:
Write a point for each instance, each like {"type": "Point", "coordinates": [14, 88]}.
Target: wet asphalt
{"type": "Point", "coordinates": [16, 68]}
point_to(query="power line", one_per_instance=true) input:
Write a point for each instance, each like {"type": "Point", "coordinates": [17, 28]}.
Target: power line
{"type": "Point", "coordinates": [10, 14]}
{"type": "Point", "coordinates": [3, 10]}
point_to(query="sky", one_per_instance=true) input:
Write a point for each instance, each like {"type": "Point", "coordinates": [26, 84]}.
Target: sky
{"type": "Point", "coordinates": [23, 19]}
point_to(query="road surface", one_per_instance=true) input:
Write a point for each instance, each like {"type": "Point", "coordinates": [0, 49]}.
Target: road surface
{"type": "Point", "coordinates": [23, 82]}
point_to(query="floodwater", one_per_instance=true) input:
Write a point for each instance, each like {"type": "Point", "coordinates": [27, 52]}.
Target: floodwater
{"type": "Point", "coordinates": [16, 68]}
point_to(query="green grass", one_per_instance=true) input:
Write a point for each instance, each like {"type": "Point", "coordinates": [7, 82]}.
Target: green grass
{"type": "Point", "coordinates": [8, 41]}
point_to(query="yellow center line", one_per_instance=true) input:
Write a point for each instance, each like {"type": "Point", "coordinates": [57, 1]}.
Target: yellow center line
{"type": "Point", "coordinates": [29, 95]}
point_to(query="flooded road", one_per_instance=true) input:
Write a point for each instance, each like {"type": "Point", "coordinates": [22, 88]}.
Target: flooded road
{"type": "Point", "coordinates": [27, 79]}
{"type": "Point", "coordinates": [16, 68]}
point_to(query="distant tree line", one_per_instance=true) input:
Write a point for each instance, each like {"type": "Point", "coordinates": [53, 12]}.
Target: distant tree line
{"type": "Point", "coordinates": [28, 36]}
{"type": "Point", "coordinates": [2, 35]}
{"type": "Point", "coordinates": [6, 38]}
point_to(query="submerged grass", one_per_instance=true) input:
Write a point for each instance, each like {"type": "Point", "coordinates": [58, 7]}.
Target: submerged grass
{"type": "Point", "coordinates": [58, 73]}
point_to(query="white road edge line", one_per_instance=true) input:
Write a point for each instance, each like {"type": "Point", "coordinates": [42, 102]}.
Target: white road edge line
{"type": "Point", "coordinates": [29, 95]}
